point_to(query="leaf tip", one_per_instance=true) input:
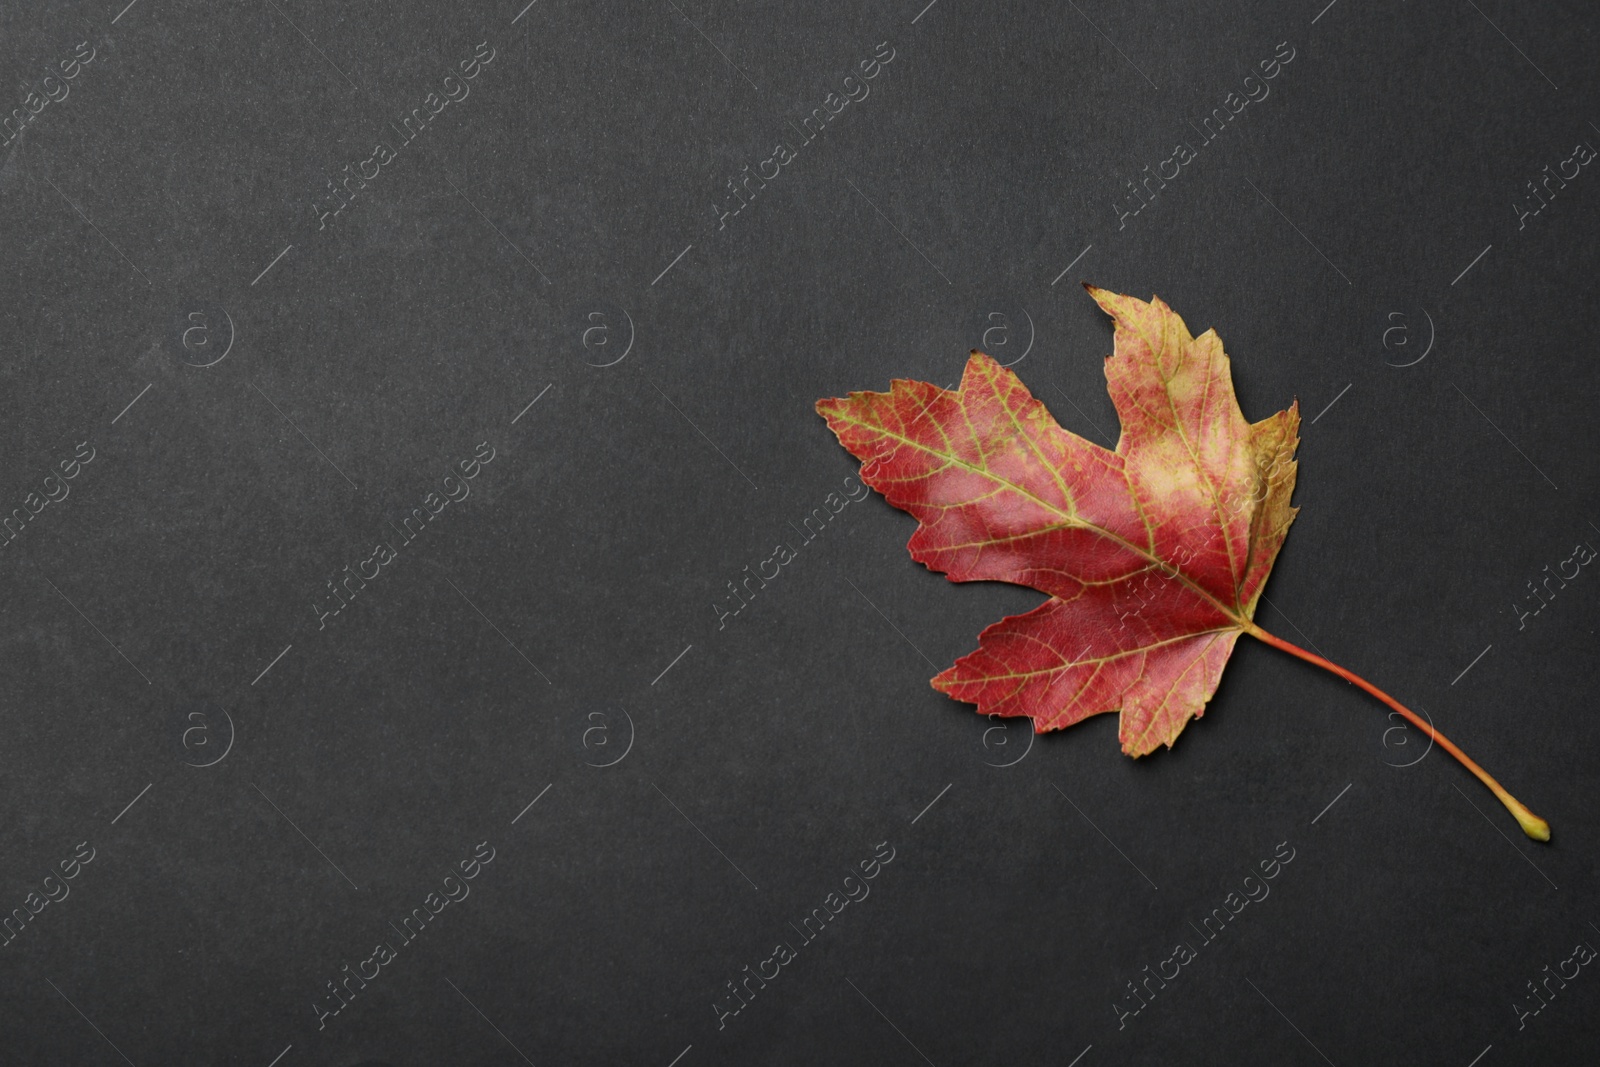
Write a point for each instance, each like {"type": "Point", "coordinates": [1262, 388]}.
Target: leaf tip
{"type": "Point", "coordinates": [1104, 297]}
{"type": "Point", "coordinates": [1122, 308]}
{"type": "Point", "coordinates": [980, 365]}
{"type": "Point", "coordinates": [831, 408]}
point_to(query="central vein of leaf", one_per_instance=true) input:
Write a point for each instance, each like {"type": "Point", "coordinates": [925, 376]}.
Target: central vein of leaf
{"type": "Point", "coordinates": [1069, 518]}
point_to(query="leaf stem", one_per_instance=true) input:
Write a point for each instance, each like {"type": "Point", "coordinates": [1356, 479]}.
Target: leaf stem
{"type": "Point", "coordinates": [1531, 824]}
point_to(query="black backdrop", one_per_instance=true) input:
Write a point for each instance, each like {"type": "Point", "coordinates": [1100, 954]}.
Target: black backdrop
{"type": "Point", "coordinates": [272, 360]}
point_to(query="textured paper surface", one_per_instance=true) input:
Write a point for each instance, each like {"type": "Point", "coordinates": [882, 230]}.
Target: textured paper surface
{"type": "Point", "coordinates": [410, 459]}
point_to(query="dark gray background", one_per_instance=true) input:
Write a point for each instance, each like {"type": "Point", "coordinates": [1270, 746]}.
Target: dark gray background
{"type": "Point", "coordinates": [573, 591]}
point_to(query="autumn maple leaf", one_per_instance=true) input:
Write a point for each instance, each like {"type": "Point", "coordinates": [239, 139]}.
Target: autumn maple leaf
{"type": "Point", "coordinates": [1153, 556]}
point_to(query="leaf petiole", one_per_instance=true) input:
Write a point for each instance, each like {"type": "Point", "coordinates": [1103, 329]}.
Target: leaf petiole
{"type": "Point", "coordinates": [1531, 824]}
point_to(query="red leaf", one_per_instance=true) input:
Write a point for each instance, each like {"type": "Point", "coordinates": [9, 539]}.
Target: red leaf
{"type": "Point", "coordinates": [1153, 556]}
